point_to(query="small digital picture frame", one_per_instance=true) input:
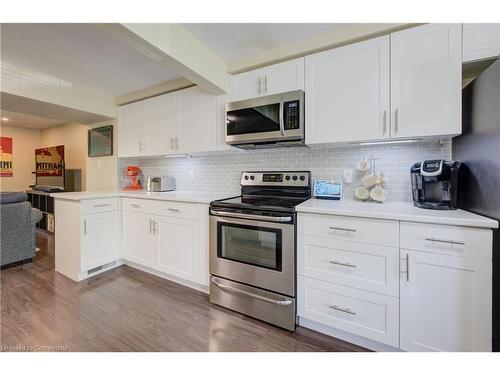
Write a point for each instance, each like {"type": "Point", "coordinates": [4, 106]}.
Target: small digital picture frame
{"type": "Point", "coordinates": [327, 189]}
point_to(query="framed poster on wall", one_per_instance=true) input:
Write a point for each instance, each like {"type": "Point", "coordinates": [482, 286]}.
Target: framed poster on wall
{"type": "Point", "coordinates": [100, 141]}
{"type": "Point", "coordinates": [6, 168]}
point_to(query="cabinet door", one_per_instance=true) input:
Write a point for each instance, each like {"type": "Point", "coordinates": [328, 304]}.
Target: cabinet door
{"type": "Point", "coordinates": [131, 129]}
{"type": "Point", "coordinates": [137, 239]}
{"type": "Point", "coordinates": [445, 303]}
{"type": "Point", "coordinates": [197, 121]}
{"type": "Point", "coordinates": [246, 85]}
{"type": "Point", "coordinates": [100, 239]}
{"type": "Point", "coordinates": [426, 81]}
{"type": "Point", "coordinates": [480, 41]}
{"type": "Point", "coordinates": [178, 247]}
{"type": "Point", "coordinates": [347, 93]}
{"type": "Point", "coordinates": [162, 114]}
{"type": "Point", "coordinates": [283, 77]}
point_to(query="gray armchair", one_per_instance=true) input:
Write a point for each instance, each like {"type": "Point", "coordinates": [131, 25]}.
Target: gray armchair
{"type": "Point", "coordinates": [17, 228]}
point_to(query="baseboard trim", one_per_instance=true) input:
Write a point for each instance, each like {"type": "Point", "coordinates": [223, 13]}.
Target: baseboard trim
{"type": "Point", "coordinates": [189, 284]}
{"type": "Point", "coordinates": [346, 336]}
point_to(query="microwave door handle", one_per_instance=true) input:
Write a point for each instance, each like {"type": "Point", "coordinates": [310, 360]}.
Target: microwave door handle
{"type": "Point", "coordinates": [282, 123]}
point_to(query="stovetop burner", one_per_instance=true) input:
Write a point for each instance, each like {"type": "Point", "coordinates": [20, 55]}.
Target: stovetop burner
{"type": "Point", "coordinates": [270, 191]}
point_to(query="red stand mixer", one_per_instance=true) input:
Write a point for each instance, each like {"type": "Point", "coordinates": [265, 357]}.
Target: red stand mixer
{"type": "Point", "coordinates": [133, 173]}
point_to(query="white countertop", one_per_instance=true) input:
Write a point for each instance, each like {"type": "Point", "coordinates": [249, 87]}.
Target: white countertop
{"type": "Point", "coordinates": [401, 211]}
{"type": "Point", "coordinates": [177, 195]}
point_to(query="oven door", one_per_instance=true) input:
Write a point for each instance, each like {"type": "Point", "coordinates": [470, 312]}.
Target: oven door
{"type": "Point", "coordinates": [274, 118]}
{"type": "Point", "coordinates": [253, 252]}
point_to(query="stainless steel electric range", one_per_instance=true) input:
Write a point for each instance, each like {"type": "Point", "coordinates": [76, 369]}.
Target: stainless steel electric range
{"type": "Point", "coordinates": [253, 246]}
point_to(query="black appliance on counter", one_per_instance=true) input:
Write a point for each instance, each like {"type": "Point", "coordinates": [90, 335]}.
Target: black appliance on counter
{"type": "Point", "coordinates": [253, 246]}
{"type": "Point", "coordinates": [479, 150]}
{"type": "Point", "coordinates": [434, 184]}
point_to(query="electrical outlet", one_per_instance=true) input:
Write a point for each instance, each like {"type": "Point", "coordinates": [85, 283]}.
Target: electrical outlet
{"type": "Point", "coordinates": [348, 175]}
{"type": "Point", "coordinates": [100, 164]}
{"type": "Point", "coordinates": [191, 174]}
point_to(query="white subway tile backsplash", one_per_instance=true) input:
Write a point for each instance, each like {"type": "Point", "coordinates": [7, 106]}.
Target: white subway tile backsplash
{"type": "Point", "coordinates": [220, 171]}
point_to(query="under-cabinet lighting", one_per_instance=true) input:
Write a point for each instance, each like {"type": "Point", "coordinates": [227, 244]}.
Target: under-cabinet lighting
{"type": "Point", "coordinates": [177, 156]}
{"type": "Point", "coordinates": [5, 119]}
{"type": "Point", "coordinates": [388, 142]}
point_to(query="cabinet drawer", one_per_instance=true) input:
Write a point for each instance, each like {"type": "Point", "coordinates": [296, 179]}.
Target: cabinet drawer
{"type": "Point", "coordinates": [352, 310]}
{"type": "Point", "coordinates": [94, 206]}
{"type": "Point", "coordinates": [448, 240]}
{"type": "Point", "coordinates": [369, 267]}
{"type": "Point", "coordinates": [163, 208]}
{"type": "Point", "coordinates": [372, 231]}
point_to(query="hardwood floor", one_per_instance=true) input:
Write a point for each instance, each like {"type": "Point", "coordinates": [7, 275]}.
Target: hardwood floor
{"type": "Point", "coordinates": [128, 310]}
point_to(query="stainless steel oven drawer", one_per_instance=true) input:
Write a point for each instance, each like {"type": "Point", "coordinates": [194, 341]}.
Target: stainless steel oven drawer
{"type": "Point", "coordinates": [261, 304]}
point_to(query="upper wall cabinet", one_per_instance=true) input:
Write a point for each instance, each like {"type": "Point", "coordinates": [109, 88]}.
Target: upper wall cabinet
{"type": "Point", "coordinates": [131, 129]}
{"type": "Point", "coordinates": [426, 74]}
{"type": "Point", "coordinates": [480, 41]}
{"type": "Point", "coordinates": [274, 79]}
{"type": "Point", "coordinates": [347, 93]}
{"type": "Point", "coordinates": [183, 121]}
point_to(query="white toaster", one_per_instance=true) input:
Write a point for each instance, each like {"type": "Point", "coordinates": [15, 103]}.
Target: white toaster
{"type": "Point", "coordinates": [163, 183]}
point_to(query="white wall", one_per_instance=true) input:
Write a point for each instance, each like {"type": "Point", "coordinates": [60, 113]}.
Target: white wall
{"type": "Point", "coordinates": [24, 143]}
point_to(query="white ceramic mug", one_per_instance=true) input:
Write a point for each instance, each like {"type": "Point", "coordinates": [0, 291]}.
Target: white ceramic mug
{"type": "Point", "coordinates": [363, 165]}
{"type": "Point", "coordinates": [378, 194]}
{"type": "Point", "coordinates": [362, 193]}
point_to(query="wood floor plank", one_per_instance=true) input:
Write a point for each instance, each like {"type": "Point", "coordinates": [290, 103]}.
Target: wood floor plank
{"type": "Point", "coordinates": [126, 309]}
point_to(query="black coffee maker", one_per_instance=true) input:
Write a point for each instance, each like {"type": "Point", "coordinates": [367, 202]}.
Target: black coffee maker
{"type": "Point", "coordinates": [434, 184]}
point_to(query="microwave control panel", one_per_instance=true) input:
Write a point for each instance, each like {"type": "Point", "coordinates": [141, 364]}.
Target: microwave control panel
{"type": "Point", "coordinates": [292, 115]}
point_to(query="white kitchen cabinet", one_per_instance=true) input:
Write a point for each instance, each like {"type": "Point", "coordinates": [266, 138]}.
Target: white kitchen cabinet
{"type": "Point", "coordinates": [419, 287]}
{"type": "Point", "coordinates": [100, 239]}
{"type": "Point", "coordinates": [347, 93]}
{"type": "Point", "coordinates": [274, 79]}
{"type": "Point", "coordinates": [132, 129]}
{"type": "Point", "coordinates": [162, 118]}
{"type": "Point", "coordinates": [480, 41]}
{"type": "Point", "coordinates": [183, 121]}
{"type": "Point", "coordinates": [197, 121]}
{"type": "Point", "coordinates": [178, 247]}
{"type": "Point", "coordinates": [168, 237]}
{"type": "Point", "coordinates": [426, 81]}
{"type": "Point", "coordinates": [137, 238]}
{"type": "Point", "coordinates": [445, 303]}
{"type": "Point", "coordinates": [87, 236]}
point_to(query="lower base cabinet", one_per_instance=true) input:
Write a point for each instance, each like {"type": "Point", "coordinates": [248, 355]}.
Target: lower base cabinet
{"type": "Point", "coordinates": [99, 247]}
{"type": "Point", "coordinates": [438, 298]}
{"type": "Point", "coordinates": [169, 237]}
{"type": "Point", "coordinates": [445, 303]}
{"type": "Point", "coordinates": [137, 238]}
{"type": "Point", "coordinates": [362, 313]}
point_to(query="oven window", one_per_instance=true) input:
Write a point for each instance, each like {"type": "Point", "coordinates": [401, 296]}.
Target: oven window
{"type": "Point", "coordinates": [259, 119]}
{"type": "Point", "coordinates": [257, 246]}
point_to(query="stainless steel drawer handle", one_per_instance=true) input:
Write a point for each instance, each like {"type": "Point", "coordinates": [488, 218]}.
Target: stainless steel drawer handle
{"type": "Point", "coordinates": [281, 219]}
{"type": "Point", "coordinates": [337, 263]}
{"type": "Point", "coordinates": [174, 209]}
{"type": "Point", "coordinates": [344, 229]}
{"type": "Point", "coordinates": [102, 205]}
{"type": "Point", "coordinates": [135, 205]}
{"type": "Point", "coordinates": [430, 239]}
{"type": "Point", "coordinates": [342, 309]}
{"type": "Point", "coordinates": [244, 292]}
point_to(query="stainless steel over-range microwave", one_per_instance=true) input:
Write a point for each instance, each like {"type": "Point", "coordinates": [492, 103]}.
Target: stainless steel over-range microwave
{"type": "Point", "coordinates": [269, 121]}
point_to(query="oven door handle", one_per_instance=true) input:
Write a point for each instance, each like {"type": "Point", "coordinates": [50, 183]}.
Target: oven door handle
{"type": "Point", "coordinates": [256, 296]}
{"type": "Point", "coordinates": [280, 219]}
{"type": "Point", "coordinates": [281, 119]}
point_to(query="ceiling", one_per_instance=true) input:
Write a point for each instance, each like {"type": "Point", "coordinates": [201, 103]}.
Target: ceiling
{"type": "Point", "coordinates": [233, 41]}
{"type": "Point", "coordinates": [23, 120]}
{"type": "Point", "coordinates": [81, 53]}
{"type": "Point", "coordinates": [29, 113]}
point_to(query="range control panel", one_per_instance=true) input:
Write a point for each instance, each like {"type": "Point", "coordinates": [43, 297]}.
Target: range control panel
{"type": "Point", "coordinates": [288, 178]}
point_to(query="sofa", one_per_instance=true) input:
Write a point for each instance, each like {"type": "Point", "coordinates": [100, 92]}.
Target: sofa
{"type": "Point", "coordinates": [17, 228]}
